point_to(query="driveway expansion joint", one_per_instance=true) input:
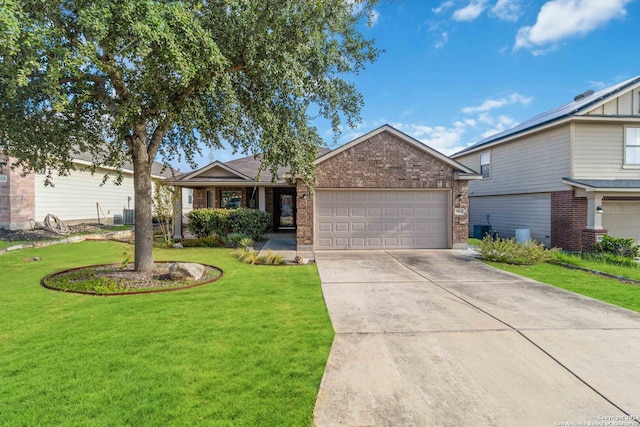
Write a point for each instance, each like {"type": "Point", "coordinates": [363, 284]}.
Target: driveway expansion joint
{"type": "Point", "coordinates": [539, 347]}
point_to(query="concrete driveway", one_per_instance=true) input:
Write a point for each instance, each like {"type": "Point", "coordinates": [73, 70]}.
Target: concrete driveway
{"type": "Point", "coordinates": [437, 338]}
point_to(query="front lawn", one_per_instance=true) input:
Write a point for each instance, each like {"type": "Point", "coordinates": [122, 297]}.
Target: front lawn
{"type": "Point", "coordinates": [598, 287]}
{"type": "Point", "coordinates": [249, 349]}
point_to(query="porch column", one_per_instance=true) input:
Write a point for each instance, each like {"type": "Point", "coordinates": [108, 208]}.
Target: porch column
{"type": "Point", "coordinates": [177, 214]}
{"type": "Point", "coordinates": [594, 218]}
{"type": "Point", "coordinates": [262, 203]}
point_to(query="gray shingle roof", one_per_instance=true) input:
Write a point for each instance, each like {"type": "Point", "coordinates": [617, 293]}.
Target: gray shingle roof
{"type": "Point", "coordinates": [558, 113]}
{"type": "Point", "coordinates": [617, 184]}
{"type": "Point", "coordinates": [249, 166]}
{"type": "Point", "coordinates": [157, 169]}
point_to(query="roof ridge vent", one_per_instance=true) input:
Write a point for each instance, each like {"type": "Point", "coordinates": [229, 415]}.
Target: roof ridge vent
{"type": "Point", "coordinates": [583, 95]}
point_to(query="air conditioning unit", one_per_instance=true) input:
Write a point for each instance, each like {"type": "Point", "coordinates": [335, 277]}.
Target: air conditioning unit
{"type": "Point", "coordinates": [129, 216]}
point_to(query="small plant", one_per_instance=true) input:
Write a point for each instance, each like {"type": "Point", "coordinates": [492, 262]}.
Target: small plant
{"type": "Point", "coordinates": [232, 240]}
{"type": "Point", "coordinates": [511, 252]}
{"type": "Point", "coordinates": [247, 256]}
{"type": "Point", "coordinates": [271, 258]}
{"type": "Point", "coordinates": [126, 259]}
{"type": "Point", "coordinates": [619, 246]}
{"type": "Point", "coordinates": [163, 201]}
{"type": "Point", "coordinates": [246, 243]}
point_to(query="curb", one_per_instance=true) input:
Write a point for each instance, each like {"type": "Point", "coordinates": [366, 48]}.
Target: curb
{"type": "Point", "coordinates": [114, 235]}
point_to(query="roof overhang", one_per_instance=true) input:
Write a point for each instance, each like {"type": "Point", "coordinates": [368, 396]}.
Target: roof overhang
{"type": "Point", "coordinates": [602, 185]}
{"type": "Point", "coordinates": [210, 166]}
{"type": "Point", "coordinates": [111, 168]}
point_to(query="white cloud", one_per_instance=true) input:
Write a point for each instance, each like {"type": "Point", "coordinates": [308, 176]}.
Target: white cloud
{"type": "Point", "coordinates": [507, 10]}
{"type": "Point", "coordinates": [491, 104]}
{"type": "Point", "coordinates": [444, 6]}
{"type": "Point", "coordinates": [562, 19]}
{"type": "Point", "coordinates": [501, 123]}
{"type": "Point", "coordinates": [358, 6]}
{"type": "Point", "coordinates": [471, 11]}
{"type": "Point", "coordinates": [444, 38]}
{"type": "Point", "coordinates": [373, 17]}
{"type": "Point", "coordinates": [446, 140]}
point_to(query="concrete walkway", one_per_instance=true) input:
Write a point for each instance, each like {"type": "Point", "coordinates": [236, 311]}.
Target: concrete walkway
{"type": "Point", "coordinates": [426, 338]}
{"type": "Point", "coordinates": [284, 244]}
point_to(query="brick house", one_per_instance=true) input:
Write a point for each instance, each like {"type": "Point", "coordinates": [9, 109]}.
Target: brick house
{"type": "Point", "coordinates": [569, 175]}
{"type": "Point", "coordinates": [382, 190]}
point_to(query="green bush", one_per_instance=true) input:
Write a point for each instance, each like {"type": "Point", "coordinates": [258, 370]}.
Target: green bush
{"type": "Point", "coordinates": [251, 223]}
{"type": "Point", "coordinates": [206, 222]}
{"type": "Point", "coordinates": [508, 251]}
{"type": "Point", "coordinates": [619, 246]}
{"type": "Point", "coordinates": [203, 242]}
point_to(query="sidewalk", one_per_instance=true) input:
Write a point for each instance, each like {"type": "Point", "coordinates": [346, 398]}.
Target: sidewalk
{"type": "Point", "coordinates": [284, 244]}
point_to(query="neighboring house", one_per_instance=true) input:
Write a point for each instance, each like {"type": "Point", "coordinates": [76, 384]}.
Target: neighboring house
{"type": "Point", "coordinates": [381, 190]}
{"type": "Point", "coordinates": [568, 175]}
{"type": "Point", "coordinates": [78, 197]}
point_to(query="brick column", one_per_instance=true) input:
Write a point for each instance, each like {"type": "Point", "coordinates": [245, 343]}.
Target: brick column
{"type": "Point", "coordinates": [591, 237]}
{"type": "Point", "coordinates": [304, 215]}
{"type": "Point", "coordinates": [568, 220]}
{"type": "Point", "coordinates": [17, 197]}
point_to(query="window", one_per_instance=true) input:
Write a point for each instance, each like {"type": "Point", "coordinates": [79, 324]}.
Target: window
{"type": "Point", "coordinates": [190, 196]}
{"type": "Point", "coordinates": [230, 199]}
{"type": "Point", "coordinates": [632, 146]}
{"type": "Point", "coordinates": [485, 164]}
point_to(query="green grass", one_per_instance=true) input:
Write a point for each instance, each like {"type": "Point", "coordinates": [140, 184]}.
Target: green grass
{"type": "Point", "coordinates": [5, 243]}
{"type": "Point", "coordinates": [246, 350]}
{"type": "Point", "coordinates": [601, 288]}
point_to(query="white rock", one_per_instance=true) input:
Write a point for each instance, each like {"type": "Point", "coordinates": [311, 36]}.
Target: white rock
{"type": "Point", "coordinates": [186, 271]}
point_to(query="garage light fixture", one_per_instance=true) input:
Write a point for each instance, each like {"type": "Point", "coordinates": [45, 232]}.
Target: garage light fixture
{"type": "Point", "coordinates": [599, 209]}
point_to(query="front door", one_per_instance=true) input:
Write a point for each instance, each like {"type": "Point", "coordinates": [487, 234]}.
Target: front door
{"type": "Point", "coordinates": [285, 209]}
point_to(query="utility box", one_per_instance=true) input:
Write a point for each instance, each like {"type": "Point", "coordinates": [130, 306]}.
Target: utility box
{"type": "Point", "coordinates": [479, 231]}
{"type": "Point", "coordinates": [129, 216]}
{"type": "Point", "coordinates": [117, 219]}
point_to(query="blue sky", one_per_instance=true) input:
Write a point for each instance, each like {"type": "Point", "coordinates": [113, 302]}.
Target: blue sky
{"type": "Point", "coordinates": [456, 71]}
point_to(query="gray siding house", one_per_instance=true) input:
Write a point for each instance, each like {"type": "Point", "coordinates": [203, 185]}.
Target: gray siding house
{"type": "Point", "coordinates": [569, 175]}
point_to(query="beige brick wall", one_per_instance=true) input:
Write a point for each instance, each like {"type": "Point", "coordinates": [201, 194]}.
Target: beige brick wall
{"type": "Point", "coordinates": [17, 197]}
{"type": "Point", "coordinates": [384, 161]}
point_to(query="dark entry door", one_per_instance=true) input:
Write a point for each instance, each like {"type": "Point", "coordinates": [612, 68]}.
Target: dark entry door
{"type": "Point", "coordinates": [285, 209]}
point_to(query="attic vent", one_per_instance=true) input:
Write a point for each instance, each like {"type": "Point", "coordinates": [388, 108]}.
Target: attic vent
{"type": "Point", "coordinates": [582, 95]}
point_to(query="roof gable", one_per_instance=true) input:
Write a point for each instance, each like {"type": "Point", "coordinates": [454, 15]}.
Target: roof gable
{"type": "Point", "coordinates": [403, 137]}
{"type": "Point", "coordinates": [614, 101]}
{"type": "Point", "coordinates": [216, 169]}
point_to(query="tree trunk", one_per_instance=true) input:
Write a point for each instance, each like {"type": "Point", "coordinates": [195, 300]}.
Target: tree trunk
{"type": "Point", "coordinates": [142, 185]}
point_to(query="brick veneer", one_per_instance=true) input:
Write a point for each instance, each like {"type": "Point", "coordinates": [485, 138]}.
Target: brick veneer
{"type": "Point", "coordinates": [17, 197]}
{"type": "Point", "coordinates": [568, 220]}
{"type": "Point", "coordinates": [384, 161]}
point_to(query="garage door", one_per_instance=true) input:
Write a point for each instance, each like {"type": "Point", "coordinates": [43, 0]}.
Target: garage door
{"type": "Point", "coordinates": [622, 219]}
{"type": "Point", "coordinates": [377, 219]}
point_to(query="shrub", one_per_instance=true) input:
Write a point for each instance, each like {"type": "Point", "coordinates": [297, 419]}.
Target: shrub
{"type": "Point", "coordinates": [247, 222]}
{"type": "Point", "coordinates": [250, 222]}
{"type": "Point", "coordinates": [619, 246]}
{"type": "Point", "coordinates": [510, 252]}
{"type": "Point", "coordinates": [233, 240]}
{"type": "Point", "coordinates": [203, 242]}
{"type": "Point", "coordinates": [206, 222]}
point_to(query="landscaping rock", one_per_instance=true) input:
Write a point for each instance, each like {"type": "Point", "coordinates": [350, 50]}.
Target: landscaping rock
{"type": "Point", "coordinates": [35, 258]}
{"type": "Point", "coordinates": [301, 260]}
{"type": "Point", "coordinates": [186, 271]}
{"type": "Point", "coordinates": [178, 246]}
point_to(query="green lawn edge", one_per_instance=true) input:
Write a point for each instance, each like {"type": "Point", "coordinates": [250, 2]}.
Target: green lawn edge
{"type": "Point", "coordinates": [247, 350]}
{"type": "Point", "coordinates": [612, 291]}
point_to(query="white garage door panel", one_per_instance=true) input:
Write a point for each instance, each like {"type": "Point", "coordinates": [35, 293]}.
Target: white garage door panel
{"type": "Point", "coordinates": [622, 219]}
{"type": "Point", "coordinates": [374, 219]}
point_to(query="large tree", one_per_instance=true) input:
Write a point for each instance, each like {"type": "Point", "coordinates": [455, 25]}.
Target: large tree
{"type": "Point", "coordinates": [136, 80]}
